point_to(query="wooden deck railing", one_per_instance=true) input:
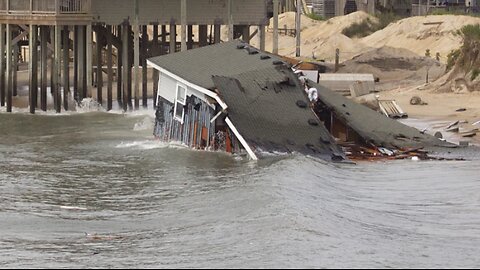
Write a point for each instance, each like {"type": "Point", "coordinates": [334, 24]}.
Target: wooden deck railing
{"type": "Point", "coordinates": [47, 7]}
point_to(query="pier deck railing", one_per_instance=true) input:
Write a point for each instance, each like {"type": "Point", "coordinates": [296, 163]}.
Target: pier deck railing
{"type": "Point", "coordinates": [45, 7]}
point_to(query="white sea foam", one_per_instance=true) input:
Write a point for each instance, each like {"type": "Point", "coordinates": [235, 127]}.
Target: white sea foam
{"type": "Point", "coordinates": [144, 145]}
{"type": "Point", "coordinates": [145, 124]}
{"type": "Point", "coordinates": [73, 207]}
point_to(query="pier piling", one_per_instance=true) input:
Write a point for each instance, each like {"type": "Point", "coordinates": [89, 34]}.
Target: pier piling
{"type": "Point", "coordinates": [109, 67]}
{"type": "Point", "coordinates": [32, 62]}
{"type": "Point", "coordinates": [66, 67]}
{"type": "Point", "coordinates": [2, 65]}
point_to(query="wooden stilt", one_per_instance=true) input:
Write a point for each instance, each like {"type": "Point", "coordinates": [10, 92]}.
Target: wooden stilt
{"type": "Point", "coordinates": [66, 67]}
{"type": "Point", "coordinates": [230, 20]}
{"type": "Point", "coordinates": [164, 40]}
{"type": "Point", "coordinates": [43, 67]}
{"type": "Point", "coordinates": [76, 95]}
{"type": "Point", "coordinates": [89, 62]}
{"type": "Point", "coordinates": [216, 34]}
{"type": "Point", "coordinates": [155, 50]}
{"type": "Point", "coordinates": [9, 67]}
{"type": "Point", "coordinates": [144, 66]}
{"type": "Point", "coordinates": [56, 75]}
{"type": "Point", "coordinates": [246, 33]}
{"type": "Point", "coordinates": [119, 67]}
{"type": "Point", "coordinates": [15, 67]}
{"type": "Point", "coordinates": [202, 35]}
{"type": "Point", "coordinates": [173, 37]}
{"type": "Point", "coordinates": [126, 66]}
{"type": "Point", "coordinates": [190, 37]}
{"type": "Point", "coordinates": [275, 27]}
{"type": "Point", "coordinates": [183, 23]}
{"type": "Point", "coordinates": [261, 36]}
{"type": "Point", "coordinates": [129, 68]}
{"type": "Point", "coordinates": [2, 65]}
{"type": "Point", "coordinates": [136, 65]}
{"type": "Point", "coordinates": [32, 68]}
{"type": "Point", "coordinates": [81, 64]}
{"type": "Point", "coordinates": [109, 67]}
{"type": "Point", "coordinates": [99, 72]}
{"type": "Point", "coordinates": [52, 60]}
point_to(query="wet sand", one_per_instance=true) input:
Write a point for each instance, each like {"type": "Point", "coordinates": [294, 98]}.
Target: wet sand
{"type": "Point", "coordinates": [440, 111]}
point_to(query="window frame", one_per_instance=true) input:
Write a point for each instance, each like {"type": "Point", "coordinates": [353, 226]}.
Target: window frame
{"type": "Point", "coordinates": [178, 101]}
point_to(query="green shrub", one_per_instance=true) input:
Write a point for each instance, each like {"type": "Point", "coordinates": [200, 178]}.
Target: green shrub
{"type": "Point", "coordinates": [475, 73]}
{"type": "Point", "coordinates": [452, 59]}
{"type": "Point", "coordinates": [470, 32]}
{"type": "Point", "coordinates": [362, 29]}
{"type": "Point", "coordinates": [468, 56]}
{"type": "Point", "coordinates": [384, 19]}
{"type": "Point", "coordinates": [315, 17]}
{"type": "Point", "coordinates": [367, 26]}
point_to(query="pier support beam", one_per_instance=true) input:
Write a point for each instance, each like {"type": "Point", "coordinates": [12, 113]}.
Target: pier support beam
{"type": "Point", "coordinates": [173, 37]}
{"type": "Point", "coordinates": [190, 37]}
{"type": "Point", "coordinates": [9, 67]}
{"type": "Point", "coordinates": [43, 67]}
{"type": "Point", "coordinates": [16, 51]}
{"type": "Point", "coordinates": [89, 56]}
{"type": "Point", "coordinates": [76, 95]}
{"type": "Point", "coordinates": [66, 67]}
{"type": "Point", "coordinates": [99, 72]}
{"type": "Point", "coordinates": [261, 36]}
{"type": "Point", "coordinates": [155, 73]}
{"type": "Point", "coordinates": [129, 69]}
{"type": "Point", "coordinates": [109, 67]}
{"type": "Point", "coordinates": [32, 68]}
{"type": "Point", "coordinates": [202, 35]}
{"type": "Point", "coordinates": [82, 93]}
{"type": "Point", "coordinates": [56, 75]}
{"type": "Point", "coordinates": [230, 20]}
{"type": "Point", "coordinates": [183, 21]}
{"type": "Point", "coordinates": [144, 65]}
{"type": "Point", "coordinates": [298, 28]}
{"type": "Point", "coordinates": [136, 64]}
{"type": "Point", "coordinates": [119, 67]}
{"type": "Point", "coordinates": [126, 65]}
{"type": "Point", "coordinates": [136, 58]}
{"type": "Point", "coordinates": [275, 27]}
{"type": "Point", "coordinates": [246, 33]}
{"type": "Point", "coordinates": [2, 65]}
{"type": "Point", "coordinates": [51, 56]}
{"type": "Point", "coordinates": [217, 33]}
{"type": "Point", "coordinates": [163, 40]}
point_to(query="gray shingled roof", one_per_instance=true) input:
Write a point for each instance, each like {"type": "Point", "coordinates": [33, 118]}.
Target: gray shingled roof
{"type": "Point", "coordinates": [375, 127]}
{"type": "Point", "coordinates": [261, 95]}
{"type": "Point", "coordinates": [198, 65]}
{"type": "Point", "coordinates": [266, 114]}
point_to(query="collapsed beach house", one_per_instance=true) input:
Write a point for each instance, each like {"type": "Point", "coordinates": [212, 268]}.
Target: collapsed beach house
{"type": "Point", "coordinates": [233, 97]}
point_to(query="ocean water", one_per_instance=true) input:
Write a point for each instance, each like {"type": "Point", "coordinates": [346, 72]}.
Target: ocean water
{"type": "Point", "coordinates": [95, 190]}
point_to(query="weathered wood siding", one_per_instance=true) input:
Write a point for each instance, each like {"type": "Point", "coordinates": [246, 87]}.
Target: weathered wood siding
{"type": "Point", "coordinates": [113, 12]}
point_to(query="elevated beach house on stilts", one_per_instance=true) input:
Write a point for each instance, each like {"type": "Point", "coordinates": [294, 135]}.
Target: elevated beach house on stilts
{"type": "Point", "coordinates": [233, 97]}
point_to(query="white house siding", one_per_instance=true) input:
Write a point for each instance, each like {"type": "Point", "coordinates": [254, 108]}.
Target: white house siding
{"type": "Point", "coordinates": [168, 87]}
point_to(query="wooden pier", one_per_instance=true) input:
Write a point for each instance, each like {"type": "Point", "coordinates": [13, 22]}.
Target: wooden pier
{"type": "Point", "coordinates": [78, 49]}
